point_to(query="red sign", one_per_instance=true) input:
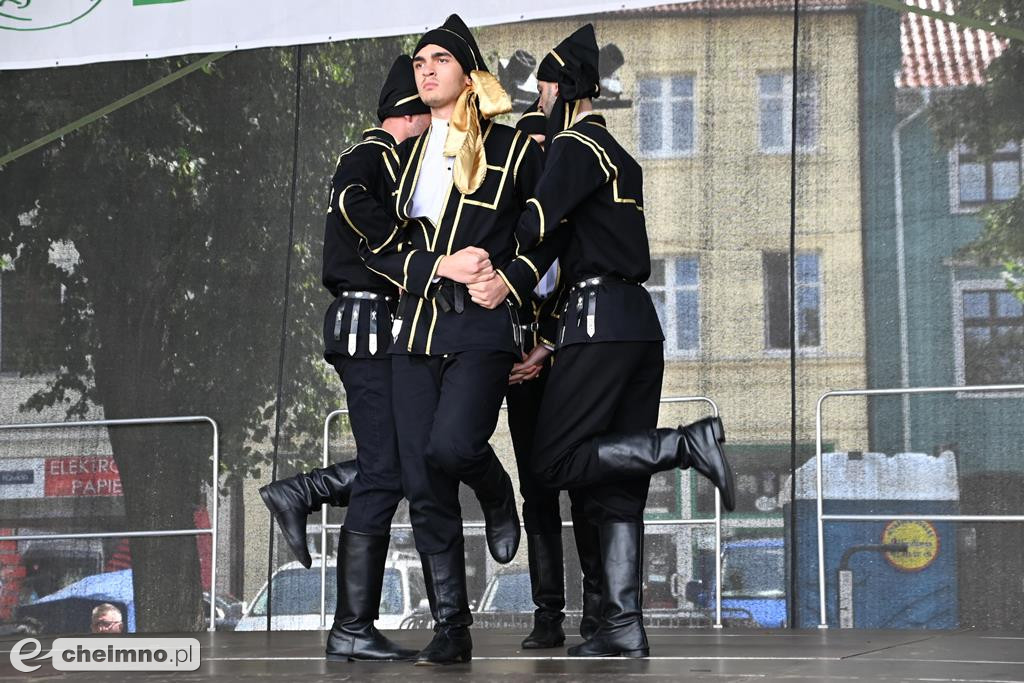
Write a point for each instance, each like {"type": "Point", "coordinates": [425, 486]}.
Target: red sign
{"type": "Point", "coordinates": [87, 475]}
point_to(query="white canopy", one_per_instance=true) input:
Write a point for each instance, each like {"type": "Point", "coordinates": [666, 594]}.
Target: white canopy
{"type": "Point", "coordinates": [46, 33]}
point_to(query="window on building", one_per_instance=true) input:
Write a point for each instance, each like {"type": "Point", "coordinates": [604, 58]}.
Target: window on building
{"type": "Point", "coordinates": [977, 181]}
{"type": "Point", "coordinates": [777, 304]}
{"type": "Point", "coordinates": [675, 288]}
{"type": "Point", "coordinates": [775, 97]}
{"type": "Point", "coordinates": [993, 337]}
{"type": "Point", "coordinates": [665, 116]}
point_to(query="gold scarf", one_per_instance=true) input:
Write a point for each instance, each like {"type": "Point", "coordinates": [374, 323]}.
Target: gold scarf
{"type": "Point", "coordinates": [464, 141]}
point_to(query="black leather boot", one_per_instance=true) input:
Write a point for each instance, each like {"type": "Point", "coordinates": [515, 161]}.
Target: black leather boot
{"type": "Point", "coordinates": [445, 576]}
{"type": "Point", "coordinates": [547, 583]}
{"type": "Point", "coordinates": [293, 499]}
{"type": "Point", "coordinates": [588, 546]}
{"type": "Point", "coordinates": [697, 445]}
{"type": "Point", "coordinates": [702, 450]}
{"type": "Point", "coordinates": [498, 501]}
{"type": "Point", "coordinates": [621, 633]}
{"type": "Point", "coordinates": [354, 638]}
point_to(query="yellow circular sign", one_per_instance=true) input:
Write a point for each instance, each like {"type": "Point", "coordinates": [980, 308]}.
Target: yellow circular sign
{"type": "Point", "coordinates": [922, 544]}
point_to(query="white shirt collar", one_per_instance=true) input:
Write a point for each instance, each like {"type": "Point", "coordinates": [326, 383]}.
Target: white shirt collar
{"type": "Point", "coordinates": [582, 114]}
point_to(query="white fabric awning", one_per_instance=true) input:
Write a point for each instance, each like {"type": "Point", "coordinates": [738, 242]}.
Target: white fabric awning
{"type": "Point", "coordinates": [46, 33]}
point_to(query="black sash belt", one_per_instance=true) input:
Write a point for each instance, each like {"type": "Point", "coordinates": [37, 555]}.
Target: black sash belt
{"type": "Point", "coordinates": [451, 296]}
{"type": "Point", "coordinates": [586, 301]}
{"type": "Point", "coordinates": [357, 298]}
{"type": "Point", "coordinates": [602, 280]}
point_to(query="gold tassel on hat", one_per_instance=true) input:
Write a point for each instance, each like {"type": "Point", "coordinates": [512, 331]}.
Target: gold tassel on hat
{"type": "Point", "coordinates": [464, 141]}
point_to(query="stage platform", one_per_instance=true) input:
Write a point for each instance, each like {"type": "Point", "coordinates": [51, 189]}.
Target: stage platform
{"type": "Point", "coordinates": [676, 655]}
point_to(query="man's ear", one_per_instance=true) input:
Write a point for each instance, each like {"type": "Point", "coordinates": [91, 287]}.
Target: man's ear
{"type": "Point", "coordinates": [555, 90]}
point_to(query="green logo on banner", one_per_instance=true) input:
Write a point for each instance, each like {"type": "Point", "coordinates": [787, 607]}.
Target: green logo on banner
{"type": "Point", "coordinates": [40, 15]}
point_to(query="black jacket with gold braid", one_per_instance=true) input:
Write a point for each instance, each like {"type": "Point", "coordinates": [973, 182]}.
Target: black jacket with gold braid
{"type": "Point", "coordinates": [484, 219]}
{"type": "Point", "coordinates": [591, 181]}
{"type": "Point", "coordinates": [357, 212]}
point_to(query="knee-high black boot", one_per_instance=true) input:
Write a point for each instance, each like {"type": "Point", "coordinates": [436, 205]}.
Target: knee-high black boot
{"type": "Point", "coordinates": [697, 445]}
{"type": "Point", "coordinates": [293, 499]}
{"type": "Point", "coordinates": [547, 583]}
{"type": "Point", "coordinates": [498, 501]}
{"type": "Point", "coordinates": [445, 576]}
{"type": "Point", "coordinates": [361, 559]}
{"type": "Point", "coordinates": [588, 546]}
{"type": "Point", "coordinates": [621, 633]}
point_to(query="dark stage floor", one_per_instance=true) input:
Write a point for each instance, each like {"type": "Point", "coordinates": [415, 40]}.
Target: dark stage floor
{"type": "Point", "coordinates": [693, 654]}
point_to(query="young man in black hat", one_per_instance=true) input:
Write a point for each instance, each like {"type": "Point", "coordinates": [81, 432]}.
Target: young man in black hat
{"type": "Point", "coordinates": [459, 191]}
{"type": "Point", "coordinates": [356, 336]}
{"type": "Point", "coordinates": [598, 421]}
{"type": "Point", "coordinates": [541, 514]}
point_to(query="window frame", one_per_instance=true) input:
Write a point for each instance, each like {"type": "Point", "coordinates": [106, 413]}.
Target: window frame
{"type": "Point", "coordinates": [960, 287]}
{"type": "Point", "coordinates": [666, 100]}
{"type": "Point", "coordinates": [787, 113]}
{"type": "Point", "coordinates": [821, 348]}
{"type": "Point", "coordinates": [961, 150]}
{"type": "Point", "coordinates": [671, 289]}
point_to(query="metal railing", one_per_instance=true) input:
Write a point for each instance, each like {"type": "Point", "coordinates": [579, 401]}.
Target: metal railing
{"type": "Point", "coordinates": [716, 520]}
{"type": "Point", "coordinates": [822, 517]}
{"type": "Point", "coordinates": [212, 531]}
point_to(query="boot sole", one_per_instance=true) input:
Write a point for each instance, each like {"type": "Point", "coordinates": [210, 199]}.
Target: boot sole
{"type": "Point", "coordinates": [292, 542]}
{"type": "Point", "coordinates": [347, 658]}
{"type": "Point", "coordinates": [718, 429]}
{"type": "Point", "coordinates": [544, 646]}
{"type": "Point", "coordinates": [631, 654]}
{"type": "Point", "coordinates": [458, 660]}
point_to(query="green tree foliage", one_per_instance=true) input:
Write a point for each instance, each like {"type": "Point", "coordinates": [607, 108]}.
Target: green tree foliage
{"type": "Point", "coordinates": [987, 117]}
{"type": "Point", "coordinates": [176, 209]}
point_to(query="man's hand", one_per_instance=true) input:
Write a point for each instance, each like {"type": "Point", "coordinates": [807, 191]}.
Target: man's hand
{"type": "Point", "coordinates": [488, 293]}
{"type": "Point", "coordinates": [531, 366]}
{"type": "Point", "coordinates": [468, 266]}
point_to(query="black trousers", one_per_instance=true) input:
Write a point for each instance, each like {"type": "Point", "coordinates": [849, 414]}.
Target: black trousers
{"type": "Point", "coordinates": [377, 489]}
{"type": "Point", "coordinates": [446, 409]}
{"type": "Point", "coordinates": [541, 513]}
{"type": "Point", "coordinates": [593, 390]}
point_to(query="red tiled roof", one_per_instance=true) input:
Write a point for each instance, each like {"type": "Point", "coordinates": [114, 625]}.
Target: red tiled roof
{"type": "Point", "coordinates": [718, 6]}
{"type": "Point", "coordinates": [936, 54]}
{"type": "Point", "coordinates": [940, 54]}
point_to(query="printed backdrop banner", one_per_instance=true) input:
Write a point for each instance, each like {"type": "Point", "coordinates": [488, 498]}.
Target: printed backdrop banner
{"type": "Point", "coordinates": [43, 33]}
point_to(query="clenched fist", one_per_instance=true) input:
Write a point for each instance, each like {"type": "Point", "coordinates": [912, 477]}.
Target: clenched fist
{"type": "Point", "coordinates": [468, 266]}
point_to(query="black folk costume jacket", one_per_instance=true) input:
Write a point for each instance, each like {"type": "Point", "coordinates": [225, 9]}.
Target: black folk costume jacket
{"type": "Point", "coordinates": [438, 317]}
{"type": "Point", "coordinates": [597, 186]}
{"type": "Point", "coordinates": [358, 321]}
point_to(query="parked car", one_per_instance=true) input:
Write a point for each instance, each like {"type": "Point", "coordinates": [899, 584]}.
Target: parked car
{"type": "Point", "coordinates": [507, 602]}
{"type": "Point", "coordinates": [296, 596]}
{"type": "Point", "coordinates": [69, 610]}
{"type": "Point", "coordinates": [507, 591]}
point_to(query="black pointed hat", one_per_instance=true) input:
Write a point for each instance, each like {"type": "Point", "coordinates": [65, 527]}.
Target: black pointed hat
{"type": "Point", "coordinates": [454, 36]}
{"type": "Point", "coordinates": [398, 96]}
{"type": "Point", "coordinates": [573, 64]}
